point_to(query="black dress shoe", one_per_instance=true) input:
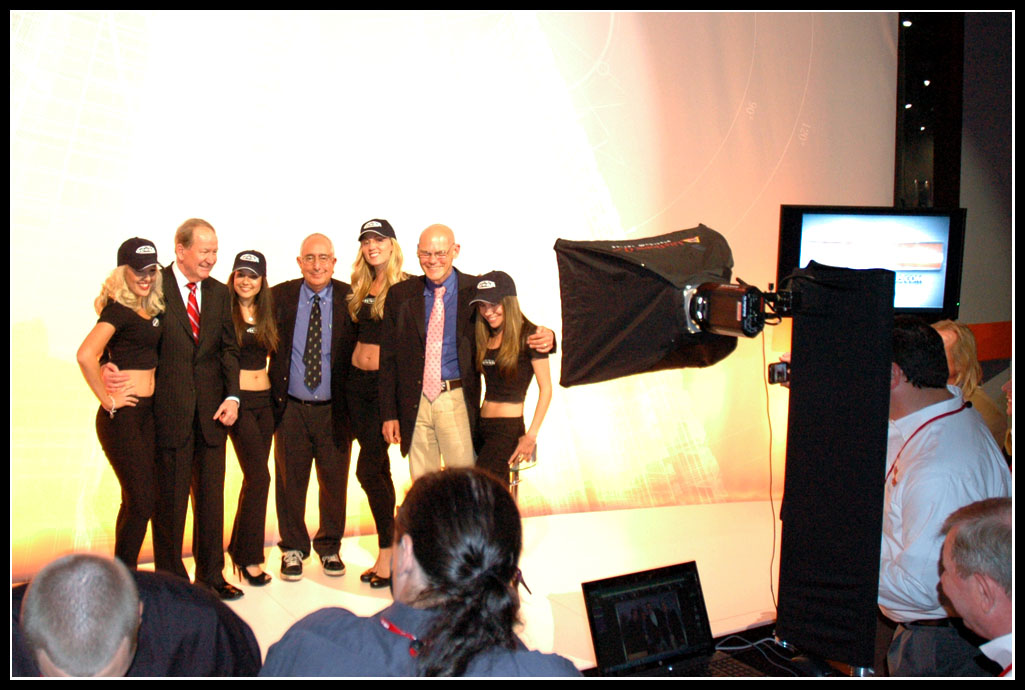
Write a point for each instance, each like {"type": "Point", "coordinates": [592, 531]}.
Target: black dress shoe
{"type": "Point", "coordinates": [225, 591]}
{"type": "Point", "coordinates": [378, 582]}
{"type": "Point", "coordinates": [367, 575]}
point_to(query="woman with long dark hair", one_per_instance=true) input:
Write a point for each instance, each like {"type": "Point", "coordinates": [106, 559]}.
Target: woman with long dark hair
{"type": "Point", "coordinates": [130, 306]}
{"type": "Point", "coordinates": [456, 567]}
{"type": "Point", "coordinates": [508, 365]}
{"type": "Point", "coordinates": [378, 266]}
{"type": "Point", "coordinates": [252, 313]}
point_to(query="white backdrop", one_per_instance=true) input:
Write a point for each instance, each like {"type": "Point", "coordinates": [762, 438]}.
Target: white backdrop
{"type": "Point", "coordinates": [513, 128]}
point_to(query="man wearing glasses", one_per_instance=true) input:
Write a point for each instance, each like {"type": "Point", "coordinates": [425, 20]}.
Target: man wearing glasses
{"type": "Point", "coordinates": [309, 400]}
{"type": "Point", "coordinates": [429, 385]}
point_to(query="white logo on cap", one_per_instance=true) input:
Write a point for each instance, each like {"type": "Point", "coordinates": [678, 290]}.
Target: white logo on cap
{"type": "Point", "coordinates": [250, 257]}
{"type": "Point", "coordinates": [145, 249]}
{"type": "Point", "coordinates": [485, 284]}
{"type": "Point", "coordinates": [371, 224]}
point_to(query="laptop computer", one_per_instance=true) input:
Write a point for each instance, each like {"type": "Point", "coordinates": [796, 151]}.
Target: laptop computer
{"type": "Point", "coordinates": [655, 623]}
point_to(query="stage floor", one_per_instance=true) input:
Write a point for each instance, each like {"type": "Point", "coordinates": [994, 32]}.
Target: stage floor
{"type": "Point", "coordinates": [736, 546]}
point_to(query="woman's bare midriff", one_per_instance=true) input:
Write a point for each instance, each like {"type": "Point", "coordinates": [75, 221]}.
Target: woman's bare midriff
{"type": "Point", "coordinates": [367, 357]}
{"type": "Point", "coordinates": [253, 380]}
{"type": "Point", "coordinates": [141, 382]}
{"type": "Point", "coordinates": [501, 409]}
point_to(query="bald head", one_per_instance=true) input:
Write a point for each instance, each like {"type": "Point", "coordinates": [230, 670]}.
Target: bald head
{"type": "Point", "coordinates": [437, 250]}
{"type": "Point", "coordinates": [317, 261]}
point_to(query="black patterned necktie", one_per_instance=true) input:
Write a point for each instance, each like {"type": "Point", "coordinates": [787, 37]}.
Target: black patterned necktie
{"type": "Point", "coordinates": [311, 358]}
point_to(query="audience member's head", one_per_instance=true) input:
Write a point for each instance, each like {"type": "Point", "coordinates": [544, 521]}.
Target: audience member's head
{"type": "Point", "coordinates": [80, 617]}
{"type": "Point", "coordinates": [918, 374]}
{"type": "Point", "coordinates": [457, 545]}
{"type": "Point", "coordinates": [963, 367]}
{"type": "Point", "coordinates": [975, 565]}
{"type": "Point", "coordinates": [918, 351]}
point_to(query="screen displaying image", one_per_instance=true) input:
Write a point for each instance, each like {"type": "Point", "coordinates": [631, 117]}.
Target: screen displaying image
{"type": "Point", "coordinates": [913, 247]}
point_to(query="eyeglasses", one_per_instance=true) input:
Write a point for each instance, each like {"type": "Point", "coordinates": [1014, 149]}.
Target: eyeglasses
{"type": "Point", "coordinates": [433, 255]}
{"type": "Point", "coordinates": [312, 259]}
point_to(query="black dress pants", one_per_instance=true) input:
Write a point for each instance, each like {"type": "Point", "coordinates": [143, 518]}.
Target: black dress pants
{"type": "Point", "coordinates": [251, 436]}
{"type": "Point", "coordinates": [499, 437]}
{"type": "Point", "coordinates": [197, 469]}
{"type": "Point", "coordinates": [129, 441]}
{"type": "Point", "coordinates": [304, 435]}
{"type": "Point", "coordinates": [373, 468]}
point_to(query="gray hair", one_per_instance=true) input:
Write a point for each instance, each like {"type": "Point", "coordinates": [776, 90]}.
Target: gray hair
{"type": "Point", "coordinates": [983, 541]}
{"type": "Point", "coordinates": [79, 609]}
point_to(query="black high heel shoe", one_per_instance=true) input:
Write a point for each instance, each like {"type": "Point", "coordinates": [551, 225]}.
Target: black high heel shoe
{"type": "Point", "coordinates": [368, 575]}
{"type": "Point", "coordinates": [254, 580]}
{"type": "Point", "coordinates": [378, 582]}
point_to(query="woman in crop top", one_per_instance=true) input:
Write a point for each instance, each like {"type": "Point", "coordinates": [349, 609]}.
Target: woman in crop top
{"type": "Point", "coordinates": [252, 312]}
{"type": "Point", "coordinates": [508, 366]}
{"type": "Point", "coordinates": [378, 266]}
{"type": "Point", "coordinates": [130, 306]}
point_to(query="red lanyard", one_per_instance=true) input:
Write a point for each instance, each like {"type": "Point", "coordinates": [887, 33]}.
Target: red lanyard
{"type": "Point", "coordinates": [893, 467]}
{"type": "Point", "coordinates": [415, 644]}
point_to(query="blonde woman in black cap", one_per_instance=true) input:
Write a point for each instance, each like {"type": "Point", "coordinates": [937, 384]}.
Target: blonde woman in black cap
{"type": "Point", "coordinates": [378, 266]}
{"type": "Point", "coordinates": [252, 313]}
{"type": "Point", "coordinates": [130, 306]}
{"type": "Point", "coordinates": [508, 365]}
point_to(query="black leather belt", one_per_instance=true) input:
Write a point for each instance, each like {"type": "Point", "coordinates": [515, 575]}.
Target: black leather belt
{"type": "Point", "coordinates": [931, 623]}
{"type": "Point", "coordinates": [309, 403]}
{"type": "Point", "coordinates": [451, 385]}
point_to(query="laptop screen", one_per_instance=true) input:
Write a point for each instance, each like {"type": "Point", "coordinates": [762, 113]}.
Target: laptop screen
{"type": "Point", "coordinates": [647, 619]}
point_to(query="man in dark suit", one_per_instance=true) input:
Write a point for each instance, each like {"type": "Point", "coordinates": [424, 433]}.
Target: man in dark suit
{"type": "Point", "coordinates": [429, 384]}
{"type": "Point", "coordinates": [126, 623]}
{"type": "Point", "coordinates": [307, 375]}
{"type": "Point", "coordinates": [195, 401]}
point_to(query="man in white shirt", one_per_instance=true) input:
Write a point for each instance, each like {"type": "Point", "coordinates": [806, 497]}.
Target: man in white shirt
{"type": "Point", "coordinates": [940, 457]}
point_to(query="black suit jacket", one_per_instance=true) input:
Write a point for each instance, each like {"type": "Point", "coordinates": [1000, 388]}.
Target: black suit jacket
{"type": "Point", "coordinates": [403, 344]}
{"type": "Point", "coordinates": [185, 631]}
{"type": "Point", "coordinates": [343, 341]}
{"type": "Point", "coordinates": [193, 377]}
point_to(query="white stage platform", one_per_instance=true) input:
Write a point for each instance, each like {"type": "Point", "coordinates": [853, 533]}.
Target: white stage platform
{"type": "Point", "coordinates": [732, 543]}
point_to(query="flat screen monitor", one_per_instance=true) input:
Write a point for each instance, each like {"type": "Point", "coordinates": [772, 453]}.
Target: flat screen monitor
{"type": "Point", "coordinates": [924, 247]}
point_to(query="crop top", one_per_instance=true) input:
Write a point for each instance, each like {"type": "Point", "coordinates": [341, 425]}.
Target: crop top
{"type": "Point", "coordinates": [514, 389]}
{"type": "Point", "coordinates": [135, 340]}
{"type": "Point", "coordinates": [252, 355]}
{"type": "Point", "coordinates": [368, 328]}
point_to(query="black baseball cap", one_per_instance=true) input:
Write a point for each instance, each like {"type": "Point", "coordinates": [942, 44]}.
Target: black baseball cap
{"type": "Point", "coordinates": [377, 226]}
{"type": "Point", "coordinates": [137, 253]}
{"type": "Point", "coordinates": [251, 260]}
{"type": "Point", "coordinates": [493, 287]}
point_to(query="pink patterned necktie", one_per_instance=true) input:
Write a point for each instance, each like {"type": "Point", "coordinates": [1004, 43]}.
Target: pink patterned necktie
{"type": "Point", "coordinates": [193, 311]}
{"type": "Point", "coordinates": [435, 336]}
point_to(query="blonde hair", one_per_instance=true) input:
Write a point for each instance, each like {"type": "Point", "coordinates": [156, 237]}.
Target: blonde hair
{"type": "Point", "coordinates": [515, 329]}
{"type": "Point", "coordinates": [115, 289]}
{"type": "Point", "coordinates": [363, 281]}
{"type": "Point", "coordinates": [964, 355]}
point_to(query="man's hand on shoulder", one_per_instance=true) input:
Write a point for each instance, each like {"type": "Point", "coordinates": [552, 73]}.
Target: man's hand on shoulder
{"type": "Point", "coordinates": [543, 340]}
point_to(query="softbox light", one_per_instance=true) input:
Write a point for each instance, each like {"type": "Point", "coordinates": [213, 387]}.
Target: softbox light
{"type": "Point", "coordinates": [622, 304]}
